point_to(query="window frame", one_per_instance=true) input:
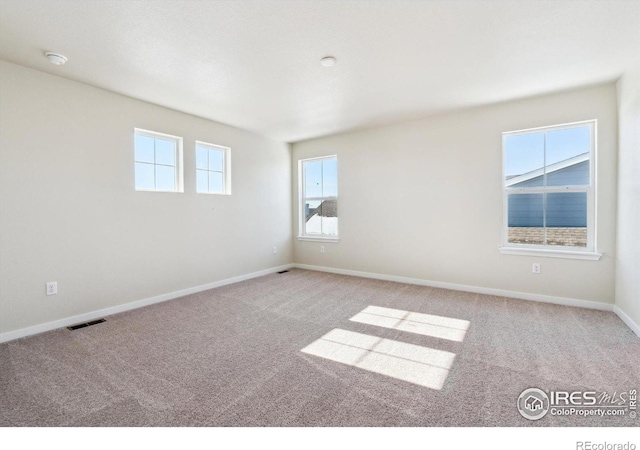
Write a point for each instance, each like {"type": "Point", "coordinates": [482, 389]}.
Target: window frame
{"type": "Point", "coordinates": [178, 168]}
{"type": "Point", "coordinates": [590, 251]}
{"type": "Point", "coordinates": [302, 235]}
{"type": "Point", "coordinates": [226, 167]}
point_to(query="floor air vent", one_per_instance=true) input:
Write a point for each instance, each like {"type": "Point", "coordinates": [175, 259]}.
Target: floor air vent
{"type": "Point", "coordinates": [88, 324]}
{"type": "Point", "coordinates": [283, 271]}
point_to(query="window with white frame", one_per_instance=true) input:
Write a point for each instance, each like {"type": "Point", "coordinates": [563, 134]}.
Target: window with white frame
{"type": "Point", "coordinates": [318, 185]}
{"type": "Point", "coordinates": [158, 161]}
{"type": "Point", "coordinates": [213, 168]}
{"type": "Point", "coordinates": [549, 189]}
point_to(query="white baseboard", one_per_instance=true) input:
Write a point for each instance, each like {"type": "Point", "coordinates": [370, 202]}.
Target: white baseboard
{"type": "Point", "coordinates": [29, 331]}
{"type": "Point", "coordinates": [627, 320]}
{"type": "Point", "coordinates": [93, 315]}
{"type": "Point", "coordinates": [463, 287]}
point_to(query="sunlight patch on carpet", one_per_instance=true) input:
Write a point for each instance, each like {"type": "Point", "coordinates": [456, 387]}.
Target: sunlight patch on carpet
{"type": "Point", "coordinates": [416, 364]}
{"type": "Point", "coordinates": [412, 322]}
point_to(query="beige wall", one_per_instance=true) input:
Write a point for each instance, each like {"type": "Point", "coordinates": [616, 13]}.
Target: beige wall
{"type": "Point", "coordinates": [423, 199]}
{"type": "Point", "coordinates": [69, 211]}
{"type": "Point", "coordinates": [628, 248]}
{"type": "Point", "coordinates": [420, 199]}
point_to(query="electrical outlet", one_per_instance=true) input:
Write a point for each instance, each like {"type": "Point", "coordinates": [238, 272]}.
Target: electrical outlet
{"type": "Point", "coordinates": [535, 268]}
{"type": "Point", "coordinates": [275, 250]}
{"type": "Point", "coordinates": [322, 249]}
{"type": "Point", "coordinates": [52, 287]}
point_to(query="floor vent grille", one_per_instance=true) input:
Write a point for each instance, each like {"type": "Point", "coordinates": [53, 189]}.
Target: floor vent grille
{"type": "Point", "coordinates": [87, 324]}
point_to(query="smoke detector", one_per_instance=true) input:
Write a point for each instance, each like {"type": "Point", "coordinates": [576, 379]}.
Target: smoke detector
{"type": "Point", "coordinates": [56, 58]}
{"type": "Point", "coordinates": [328, 61]}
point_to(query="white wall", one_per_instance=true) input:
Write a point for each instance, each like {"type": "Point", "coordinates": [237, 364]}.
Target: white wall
{"type": "Point", "coordinates": [69, 211]}
{"type": "Point", "coordinates": [423, 199]}
{"type": "Point", "coordinates": [628, 244]}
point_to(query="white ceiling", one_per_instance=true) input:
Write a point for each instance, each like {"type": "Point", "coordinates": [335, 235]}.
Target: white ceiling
{"type": "Point", "coordinates": [256, 65]}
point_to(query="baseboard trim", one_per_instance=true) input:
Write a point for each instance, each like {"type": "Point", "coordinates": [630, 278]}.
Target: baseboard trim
{"type": "Point", "coordinates": [37, 329]}
{"type": "Point", "coordinates": [466, 288]}
{"type": "Point", "coordinates": [627, 320]}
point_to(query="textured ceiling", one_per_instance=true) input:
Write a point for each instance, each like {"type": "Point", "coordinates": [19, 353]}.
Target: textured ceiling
{"type": "Point", "coordinates": [255, 65]}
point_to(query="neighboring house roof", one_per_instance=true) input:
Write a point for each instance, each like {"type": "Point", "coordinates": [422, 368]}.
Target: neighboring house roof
{"type": "Point", "coordinates": [517, 179]}
{"type": "Point", "coordinates": [328, 208]}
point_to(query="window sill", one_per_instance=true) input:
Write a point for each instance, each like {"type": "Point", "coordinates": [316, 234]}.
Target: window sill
{"type": "Point", "coordinates": [334, 240]}
{"type": "Point", "coordinates": [567, 254]}
{"type": "Point", "coordinates": [161, 192]}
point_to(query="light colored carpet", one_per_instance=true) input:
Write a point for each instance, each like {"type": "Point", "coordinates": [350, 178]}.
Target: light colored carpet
{"type": "Point", "coordinates": [233, 356]}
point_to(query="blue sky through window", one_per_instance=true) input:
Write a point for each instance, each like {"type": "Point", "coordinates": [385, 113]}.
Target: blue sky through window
{"type": "Point", "coordinates": [155, 163]}
{"type": "Point", "coordinates": [209, 169]}
{"type": "Point", "coordinates": [526, 152]}
{"type": "Point", "coordinates": [321, 178]}
{"type": "Point", "coordinates": [330, 178]}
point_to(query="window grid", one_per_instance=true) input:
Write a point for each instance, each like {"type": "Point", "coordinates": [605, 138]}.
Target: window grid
{"type": "Point", "coordinates": [321, 199]}
{"type": "Point", "coordinates": [545, 190]}
{"type": "Point", "coordinates": [224, 152]}
{"type": "Point", "coordinates": [155, 137]}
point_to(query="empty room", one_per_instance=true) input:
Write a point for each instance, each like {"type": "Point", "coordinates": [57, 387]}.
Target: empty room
{"type": "Point", "coordinates": [305, 214]}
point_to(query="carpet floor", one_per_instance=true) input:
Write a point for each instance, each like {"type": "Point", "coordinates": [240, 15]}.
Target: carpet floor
{"type": "Point", "coordinates": [307, 348]}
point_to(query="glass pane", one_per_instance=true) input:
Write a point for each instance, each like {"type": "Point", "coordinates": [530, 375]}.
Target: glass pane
{"type": "Point", "coordinates": [216, 160]}
{"type": "Point", "coordinates": [568, 156]}
{"type": "Point", "coordinates": [165, 178]}
{"type": "Point", "coordinates": [574, 174]}
{"type": "Point", "coordinates": [329, 214]}
{"type": "Point", "coordinates": [568, 143]}
{"type": "Point", "coordinates": [566, 219]}
{"type": "Point", "coordinates": [525, 219]}
{"type": "Point", "coordinates": [215, 182]}
{"type": "Point", "coordinates": [165, 152]}
{"type": "Point", "coordinates": [524, 160]}
{"type": "Point", "coordinates": [330, 178]}
{"type": "Point", "coordinates": [144, 176]}
{"type": "Point", "coordinates": [313, 219]}
{"type": "Point", "coordinates": [201, 181]}
{"type": "Point", "coordinates": [144, 148]}
{"type": "Point", "coordinates": [313, 178]}
{"type": "Point", "coordinates": [201, 158]}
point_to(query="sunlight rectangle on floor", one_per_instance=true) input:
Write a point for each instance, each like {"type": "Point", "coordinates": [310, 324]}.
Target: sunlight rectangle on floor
{"type": "Point", "coordinates": [424, 366]}
{"type": "Point", "coordinates": [412, 322]}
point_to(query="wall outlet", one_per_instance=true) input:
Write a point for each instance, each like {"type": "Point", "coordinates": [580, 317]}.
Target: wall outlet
{"type": "Point", "coordinates": [275, 250]}
{"type": "Point", "coordinates": [322, 249]}
{"type": "Point", "coordinates": [535, 268]}
{"type": "Point", "coordinates": [52, 287]}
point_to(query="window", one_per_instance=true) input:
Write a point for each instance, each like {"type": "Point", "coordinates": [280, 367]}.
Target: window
{"type": "Point", "coordinates": [158, 161]}
{"type": "Point", "coordinates": [318, 184]}
{"type": "Point", "coordinates": [549, 195]}
{"type": "Point", "coordinates": [213, 168]}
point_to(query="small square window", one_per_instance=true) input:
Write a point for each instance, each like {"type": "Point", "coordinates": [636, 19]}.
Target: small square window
{"type": "Point", "coordinates": [158, 159]}
{"type": "Point", "coordinates": [213, 169]}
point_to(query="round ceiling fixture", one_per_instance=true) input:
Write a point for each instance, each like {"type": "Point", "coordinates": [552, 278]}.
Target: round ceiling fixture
{"type": "Point", "coordinates": [56, 58]}
{"type": "Point", "coordinates": [328, 61]}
